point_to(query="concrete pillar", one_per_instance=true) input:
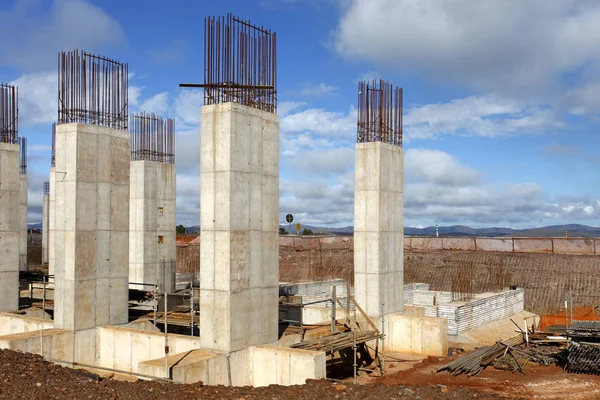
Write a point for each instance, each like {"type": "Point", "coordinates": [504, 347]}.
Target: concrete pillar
{"type": "Point", "coordinates": [239, 223]}
{"type": "Point", "coordinates": [9, 226]}
{"type": "Point", "coordinates": [23, 222]}
{"type": "Point", "coordinates": [379, 228]}
{"type": "Point", "coordinates": [92, 226]}
{"type": "Point", "coordinates": [152, 251]}
{"type": "Point", "coordinates": [51, 221]}
{"type": "Point", "coordinates": [45, 227]}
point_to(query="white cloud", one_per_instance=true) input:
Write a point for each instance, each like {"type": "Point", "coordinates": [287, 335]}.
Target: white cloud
{"type": "Point", "coordinates": [487, 44]}
{"type": "Point", "coordinates": [187, 107]}
{"type": "Point", "coordinates": [324, 162]}
{"type": "Point", "coordinates": [320, 89]}
{"type": "Point", "coordinates": [38, 98]}
{"type": "Point", "coordinates": [489, 115]}
{"type": "Point", "coordinates": [437, 167]}
{"type": "Point", "coordinates": [320, 122]}
{"type": "Point", "coordinates": [33, 32]}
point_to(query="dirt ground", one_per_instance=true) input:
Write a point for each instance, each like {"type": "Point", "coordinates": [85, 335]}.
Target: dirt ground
{"type": "Point", "coordinates": [539, 382]}
{"type": "Point", "coordinates": [28, 376]}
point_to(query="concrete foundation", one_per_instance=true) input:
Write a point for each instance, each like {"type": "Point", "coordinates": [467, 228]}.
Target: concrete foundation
{"type": "Point", "coordinates": [239, 273]}
{"type": "Point", "coordinates": [51, 220]}
{"type": "Point", "coordinates": [379, 228]}
{"type": "Point", "coordinates": [152, 250]}
{"type": "Point", "coordinates": [45, 227]}
{"type": "Point", "coordinates": [9, 226]}
{"type": "Point", "coordinates": [23, 181]}
{"type": "Point", "coordinates": [92, 230]}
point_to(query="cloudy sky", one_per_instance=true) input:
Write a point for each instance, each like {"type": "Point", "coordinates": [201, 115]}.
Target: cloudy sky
{"type": "Point", "coordinates": [502, 98]}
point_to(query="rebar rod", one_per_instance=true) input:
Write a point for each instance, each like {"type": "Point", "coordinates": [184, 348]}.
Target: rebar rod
{"type": "Point", "coordinates": [92, 90]}
{"type": "Point", "coordinates": [9, 114]}
{"type": "Point", "coordinates": [379, 113]}
{"type": "Point", "coordinates": [240, 62]}
{"type": "Point", "coordinates": [152, 138]}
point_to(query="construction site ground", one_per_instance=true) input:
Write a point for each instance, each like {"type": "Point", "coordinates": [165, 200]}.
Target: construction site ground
{"type": "Point", "coordinates": [539, 382]}
{"type": "Point", "coordinates": [28, 376]}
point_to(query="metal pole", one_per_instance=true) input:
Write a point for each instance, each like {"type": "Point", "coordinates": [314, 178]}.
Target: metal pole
{"type": "Point", "coordinates": [354, 347]}
{"type": "Point", "coordinates": [155, 306]}
{"type": "Point", "coordinates": [382, 340]}
{"type": "Point", "coordinates": [192, 307]}
{"type": "Point", "coordinates": [571, 305]}
{"type": "Point", "coordinates": [43, 317]}
{"type": "Point", "coordinates": [167, 375]}
{"type": "Point", "coordinates": [302, 322]}
{"type": "Point", "coordinates": [333, 310]}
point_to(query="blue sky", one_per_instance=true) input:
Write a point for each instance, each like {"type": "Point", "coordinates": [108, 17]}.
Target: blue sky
{"type": "Point", "coordinates": [501, 98]}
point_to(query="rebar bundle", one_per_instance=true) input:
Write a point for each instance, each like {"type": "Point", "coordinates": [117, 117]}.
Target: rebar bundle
{"type": "Point", "coordinates": [9, 114]}
{"type": "Point", "coordinates": [379, 113]}
{"type": "Point", "coordinates": [23, 155]}
{"type": "Point", "coordinates": [584, 358]}
{"type": "Point", "coordinates": [92, 90]}
{"type": "Point", "coordinates": [152, 138]}
{"type": "Point", "coordinates": [239, 63]}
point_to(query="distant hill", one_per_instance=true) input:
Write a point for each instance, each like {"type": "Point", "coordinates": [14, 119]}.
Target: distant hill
{"type": "Point", "coordinates": [574, 230]}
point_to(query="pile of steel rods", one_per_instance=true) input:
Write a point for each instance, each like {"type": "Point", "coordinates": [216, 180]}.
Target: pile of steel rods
{"type": "Point", "coordinates": [508, 355]}
{"type": "Point", "coordinates": [584, 358]}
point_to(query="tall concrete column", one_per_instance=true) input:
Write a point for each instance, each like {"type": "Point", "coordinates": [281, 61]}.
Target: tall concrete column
{"type": "Point", "coordinates": [45, 223]}
{"type": "Point", "coordinates": [23, 222]}
{"type": "Point", "coordinates": [9, 226]}
{"type": "Point", "coordinates": [379, 228]}
{"type": "Point", "coordinates": [239, 206]}
{"type": "Point", "coordinates": [92, 226]}
{"type": "Point", "coordinates": [152, 248]}
{"type": "Point", "coordinates": [51, 221]}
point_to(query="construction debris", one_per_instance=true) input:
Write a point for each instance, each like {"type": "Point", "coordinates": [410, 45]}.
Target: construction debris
{"type": "Point", "coordinates": [510, 355]}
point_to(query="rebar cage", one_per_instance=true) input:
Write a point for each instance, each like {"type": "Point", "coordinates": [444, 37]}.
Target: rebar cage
{"type": "Point", "coordinates": [239, 63]}
{"type": "Point", "coordinates": [92, 90]}
{"type": "Point", "coordinates": [9, 114]}
{"type": "Point", "coordinates": [379, 113]}
{"type": "Point", "coordinates": [23, 155]}
{"type": "Point", "coordinates": [152, 138]}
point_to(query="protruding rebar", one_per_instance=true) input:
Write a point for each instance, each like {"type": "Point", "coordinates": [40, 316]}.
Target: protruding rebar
{"type": "Point", "coordinates": [92, 90]}
{"type": "Point", "coordinates": [152, 138]}
{"type": "Point", "coordinates": [23, 155]}
{"type": "Point", "coordinates": [9, 114]}
{"type": "Point", "coordinates": [53, 154]}
{"type": "Point", "coordinates": [240, 63]}
{"type": "Point", "coordinates": [379, 113]}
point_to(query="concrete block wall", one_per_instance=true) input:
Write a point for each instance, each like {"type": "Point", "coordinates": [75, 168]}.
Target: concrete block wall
{"type": "Point", "coordinates": [9, 226]}
{"type": "Point", "coordinates": [239, 223]}
{"type": "Point", "coordinates": [23, 222]}
{"type": "Point", "coordinates": [51, 221]}
{"type": "Point", "coordinates": [92, 226]}
{"type": "Point", "coordinates": [379, 227]}
{"type": "Point", "coordinates": [45, 227]}
{"type": "Point", "coordinates": [152, 249]}
{"type": "Point", "coordinates": [481, 310]}
{"type": "Point", "coordinates": [416, 334]}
